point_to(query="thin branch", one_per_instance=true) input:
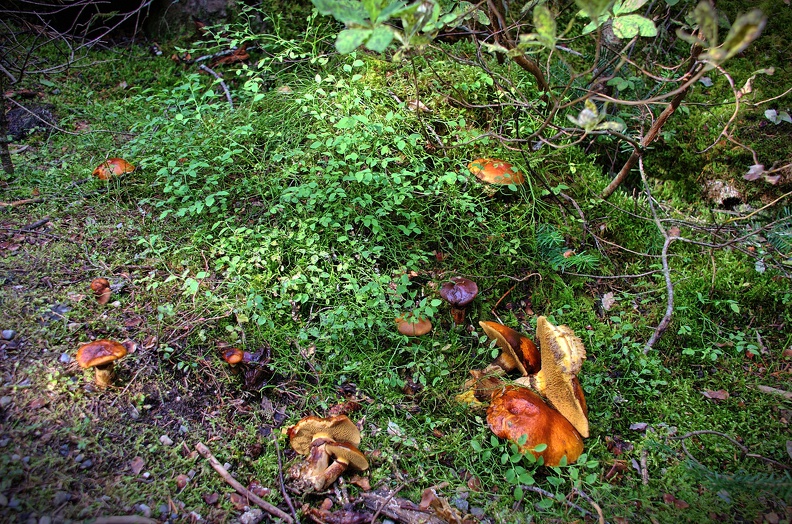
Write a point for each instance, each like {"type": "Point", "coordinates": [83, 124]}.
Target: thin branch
{"type": "Point", "coordinates": [219, 78]}
{"type": "Point", "coordinates": [242, 490]}
{"type": "Point", "coordinates": [280, 479]}
{"type": "Point", "coordinates": [745, 450]}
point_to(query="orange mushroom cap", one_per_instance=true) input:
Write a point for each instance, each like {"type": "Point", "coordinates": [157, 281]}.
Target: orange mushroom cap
{"type": "Point", "coordinates": [412, 326]}
{"type": "Point", "coordinates": [99, 353]}
{"type": "Point", "coordinates": [112, 167]}
{"type": "Point", "coordinates": [495, 172]}
{"type": "Point", "coordinates": [518, 351]}
{"type": "Point", "coordinates": [516, 411]}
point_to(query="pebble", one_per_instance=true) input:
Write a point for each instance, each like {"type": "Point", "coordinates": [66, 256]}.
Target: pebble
{"type": "Point", "coordinates": [165, 440]}
{"type": "Point", "coordinates": [65, 358]}
{"type": "Point", "coordinates": [254, 516]}
{"type": "Point", "coordinates": [146, 475]}
{"type": "Point", "coordinates": [14, 503]}
{"type": "Point", "coordinates": [87, 464]}
{"type": "Point", "coordinates": [478, 513]}
{"type": "Point", "coordinates": [79, 458]}
{"type": "Point", "coordinates": [191, 474]}
{"type": "Point", "coordinates": [227, 466]}
{"type": "Point", "coordinates": [45, 520]}
{"type": "Point", "coordinates": [15, 457]}
{"type": "Point", "coordinates": [8, 334]}
{"type": "Point", "coordinates": [163, 509]}
{"type": "Point", "coordinates": [4, 442]}
{"type": "Point", "coordinates": [145, 510]}
{"type": "Point", "coordinates": [183, 429]}
{"type": "Point", "coordinates": [4, 401]}
{"type": "Point", "coordinates": [61, 497]}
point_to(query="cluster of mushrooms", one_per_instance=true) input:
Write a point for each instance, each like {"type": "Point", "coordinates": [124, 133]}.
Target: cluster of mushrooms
{"type": "Point", "coordinates": [547, 375]}
{"type": "Point", "coordinates": [101, 354]}
{"type": "Point", "coordinates": [330, 446]}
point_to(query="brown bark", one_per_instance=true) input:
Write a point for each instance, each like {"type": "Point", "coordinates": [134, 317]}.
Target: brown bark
{"type": "Point", "coordinates": [5, 155]}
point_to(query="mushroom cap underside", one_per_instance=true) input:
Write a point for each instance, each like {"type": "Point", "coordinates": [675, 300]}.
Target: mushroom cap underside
{"type": "Point", "coordinates": [338, 429]}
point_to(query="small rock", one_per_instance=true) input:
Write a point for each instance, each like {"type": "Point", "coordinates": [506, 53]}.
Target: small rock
{"type": "Point", "coordinates": [146, 475]}
{"type": "Point", "coordinates": [134, 414]}
{"type": "Point", "coordinates": [8, 334]}
{"type": "Point", "coordinates": [14, 503]}
{"type": "Point", "coordinates": [26, 460]}
{"type": "Point", "coordinates": [4, 442]}
{"type": "Point", "coordinates": [87, 464]}
{"type": "Point", "coordinates": [79, 458]}
{"type": "Point", "coordinates": [15, 457]}
{"type": "Point", "coordinates": [461, 504]}
{"type": "Point", "coordinates": [65, 358]}
{"type": "Point", "coordinates": [25, 383]}
{"type": "Point", "coordinates": [477, 512]}
{"type": "Point", "coordinates": [191, 474]}
{"type": "Point", "coordinates": [227, 466]}
{"type": "Point", "coordinates": [183, 429]}
{"type": "Point", "coordinates": [165, 440]}
{"type": "Point", "coordinates": [163, 509]}
{"type": "Point", "coordinates": [45, 520]}
{"type": "Point", "coordinates": [4, 401]}
{"type": "Point", "coordinates": [254, 516]}
{"type": "Point", "coordinates": [117, 303]}
{"type": "Point", "coordinates": [61, 497]}
{"type": "Point", "coordinates": [145, 510]}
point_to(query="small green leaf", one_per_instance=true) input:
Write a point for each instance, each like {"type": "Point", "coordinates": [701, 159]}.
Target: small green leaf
{"type": "Point", "coordinates": [350, 39]}
{"type": "Point", "coordinates": [545, 24]}
{"type": "Point", "coordinates": [593, 8]}
{"type": "Point", "coordinates": [744, 30]}
{"type": "Point", "coordinates": [345, 11]}
{"type": "Point", "coordinates": [380, 39]}
{"type": "Point", "coordinates": [628, 26]}
{"type": "Point", "coordinates": [347, 122]}
{"type": "Point", "coordinates": [540, 448]}
{"type": "Point", "coordinates": [627, 6]}
{"type": "Point", "coordinates": [518, 493]}
{"type": "Point", "coordinates": [707, 20]}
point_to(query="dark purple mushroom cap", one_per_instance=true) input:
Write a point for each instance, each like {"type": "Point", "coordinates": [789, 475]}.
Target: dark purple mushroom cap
{"type": "Point", "coordinates": [459, 292]}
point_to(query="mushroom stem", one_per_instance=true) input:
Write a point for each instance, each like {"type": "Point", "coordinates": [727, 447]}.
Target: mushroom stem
{"type": "Point", "coordinates": [332, 473]}
{"type": "Point", "coordinates": [104, 375]}
{"type": "Point", "coordinates": [458, 314]}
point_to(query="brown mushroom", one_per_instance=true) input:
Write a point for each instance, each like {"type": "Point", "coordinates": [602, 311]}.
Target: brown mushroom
{"type": "Point", "coordinates": [101, 354]}
{"type": "Point", "coordinates": [562, 355]}
{"type": "Point", "coordinates": [338, 429]}
{"type": "Point", "coordinates": [496, 172]}
{"type": "Point", "coordinates": [517, 351]}
{"type": "Point", "coordinates": [413, 326]}
{"type": "Point", "coordinates": [101, 289]}
{"type": "Point", "coordinates": [346, 457]}
{"type": "Point", "coordinates": [516, 411]}
{"type": "Point", "coordinates": [485, 382]}
{"type": "Point", "coordinates": [459, 292]}
{"type": "Point", "coordinates": [112, 167]}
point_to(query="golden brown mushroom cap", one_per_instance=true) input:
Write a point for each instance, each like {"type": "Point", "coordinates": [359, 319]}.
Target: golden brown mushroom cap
{"type": "Point", "coordinates": [233, 355]}
{"type": "Point", "coordinates": [516, 411]}
{"type": "Point", "coordinates": [562, 357]}
{"type": "Point", "coordinates": [518, 351]}
{"type": "Point", "coordinates": [495, 171]}
{"type": "Point", "coordinates": [99, 353]}
{"type": "Point", "coordinates": [337, 429]}
{"type": "Point", "coordinates": [112, 167]}
{"type": "Point", "coordinates": [412, 327]}
{"type": "Point", "coordinates": [348, 454]}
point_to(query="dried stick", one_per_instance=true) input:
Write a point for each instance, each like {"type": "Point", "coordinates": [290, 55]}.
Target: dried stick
{"type": "Point", "coordinates": [219, 78]}
{"type": "Point", "coordinates": [596, 506]}
{"type": "Point", "coordinates": [775, 391]}
{"type": "Point", "coordinates": [280, 479]}
{"type": "Point", "coordinates": [21, 202]}
{"type": "Point", "coordinates": [231, 481]}
{"type": "Point", "coordinates": [644, 469]}
{"type": "Point", "coordinates": [35, 225]}
{"type": "Point", "coordinates": [666, 321]}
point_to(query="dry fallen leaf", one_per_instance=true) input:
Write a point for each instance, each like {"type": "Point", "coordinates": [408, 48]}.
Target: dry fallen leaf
{"type": "Point", "coordinates": [137, 465]}
{"type": "Point", "coordinates": [679, 503]}
{"type": "Point", "coordinates": [210, 498]}
{"type": "Point", "coordinates": [608, 301]}
{"type": "Point", "coordinates": [361, 482]}
{"type": "Point", "coordinates": [720, 394]}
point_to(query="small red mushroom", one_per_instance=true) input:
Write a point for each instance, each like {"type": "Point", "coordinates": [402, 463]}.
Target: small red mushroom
{"type": "Point", "coordinates": [459, 292]}
{"type": "Point", "coordinates": [101, 289]}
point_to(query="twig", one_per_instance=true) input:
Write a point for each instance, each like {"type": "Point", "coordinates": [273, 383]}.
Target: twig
{"type": "Point", "coordinates": [644, 469]}
{"type": "Point", "coordinates": [744, 449]}
{"type": "Point", "coordinates": [593, 504]}
{"type": "Point", "coordinates": [22, 202]}
{"type": "Point", "coordinates": [666, 321]}
{"type": "Point", "coordinates": [280, 478]}
{"type": "Point", "coordinates": [219, 78]}
{"type": "Point", "coordinates": [125, 519]}
{"type": "Point", "coordinates": [35, 225]}
{"type": "Point", "coordinates": [385, 503]}
{"type": "Point", "coordinates": [231, 481]}
{"type": "Point", "coordinates": [775, 391]}
{"type": "Point", "coordinates": [560, 499]}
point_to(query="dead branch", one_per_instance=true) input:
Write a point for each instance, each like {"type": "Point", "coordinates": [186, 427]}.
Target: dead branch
{"type": "Point", "coordinates": [231, 481]}
{"type": "Point", "coordinates": [35, 225]}
{"type": "Point", "coordinates": [596, 506]}
{"type": "Point", "coordinates": [668, 238]}
{"type": "Point", "coordinates": [219, 78]}
{"type": "Point", "coordinates": [775, 391]}
{"type": "Point", "coordinates": [280, 479]}
{"type": "Point", "coordinates": [398, 509]}
{"type": "Point", "coordinates": [21, 202]}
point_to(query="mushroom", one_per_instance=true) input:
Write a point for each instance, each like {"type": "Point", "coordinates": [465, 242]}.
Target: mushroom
{"type": "Point", "coordinates": [102, 355]}
{"type": "Point", "coordinates": [346, 456]}
{"type": "Point", "coordinates": [484, 383]}
{"type": "Point", "coordinates": [101, 289]}
{"type": "Point", "coordinates": [517, 351]}
{"type": "Point", "coordinates": [562, 355]}
{"type": "Point", "coordinates": [496, 172]}
{"type": "Point", "coordinates": [311, 436]}
{"type": "Point", "coordinates": [112, 167]}
{"type": "Point", "coordinates": [516, 411]}
{"type": "Point", "coordinates": [459, 292]}
{"type": "Point", "coordinates": [413, 326]}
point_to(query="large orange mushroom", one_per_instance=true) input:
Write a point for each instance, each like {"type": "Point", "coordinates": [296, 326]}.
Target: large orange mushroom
{"type": "Point", "coordinates": [112, 167]}
{"type": "Point", "coordinates": [496, 172]}
{"type": "Point", "coordinates": [101, 354]}
{"type": "Point", "coordinates": [517, 411]}
{"type": "Point", "coordinates": [517, 351]}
